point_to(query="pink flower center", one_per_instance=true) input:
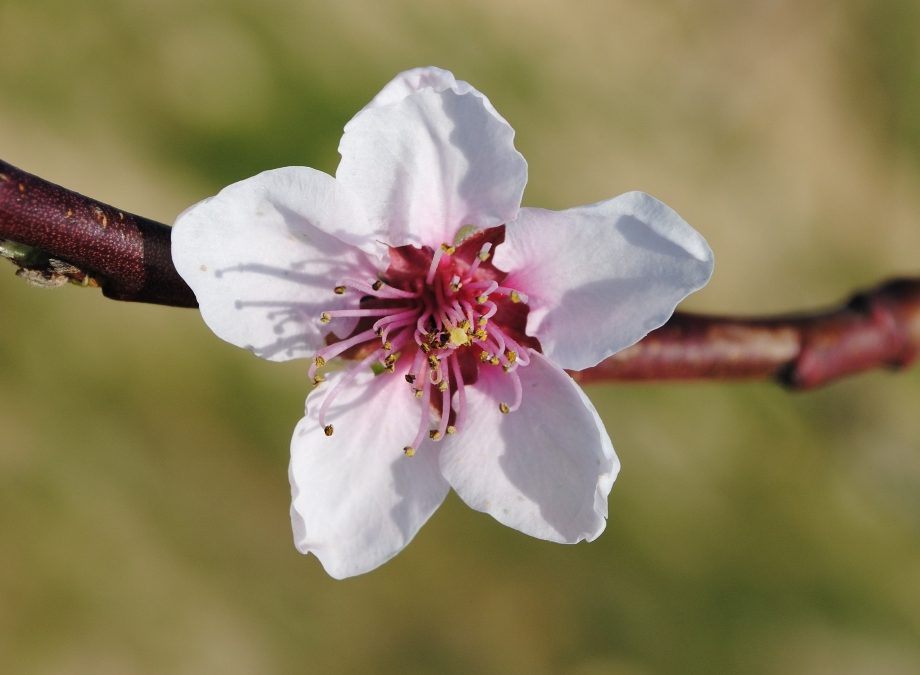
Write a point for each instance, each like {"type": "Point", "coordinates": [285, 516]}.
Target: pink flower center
{"type": "Point", "coordinates": [436, 317]}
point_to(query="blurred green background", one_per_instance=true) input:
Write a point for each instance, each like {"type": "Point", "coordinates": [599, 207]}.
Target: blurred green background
{"type": "Point", "coordinates": [143, 463]}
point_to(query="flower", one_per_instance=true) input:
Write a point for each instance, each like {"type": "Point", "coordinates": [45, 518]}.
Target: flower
{"type": "Point", "coordinates": [458, 309]}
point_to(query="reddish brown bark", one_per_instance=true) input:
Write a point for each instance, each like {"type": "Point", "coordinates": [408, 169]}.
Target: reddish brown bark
{"type": "Point", "coordinates": [875, 328]}
{"type": "Point", "coordinates": [129, 257]}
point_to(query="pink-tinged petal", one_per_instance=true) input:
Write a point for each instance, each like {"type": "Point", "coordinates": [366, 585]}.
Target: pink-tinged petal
{"type": "Point", "coordinates": [431, 77]}
{"type": "Point", "coordinates": [262, 259]}
{"type": "Point", "coordinates": [357, 500]}
{"type": "Point", "coordinates": [600, 277]}
{"type": "Point", "coordinates": [545, 469]}
{"type": "Point", "coordinates": [428, 164]}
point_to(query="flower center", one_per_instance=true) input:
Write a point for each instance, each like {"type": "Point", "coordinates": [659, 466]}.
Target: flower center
{"type": "Point", "coordinates": [437, 317]}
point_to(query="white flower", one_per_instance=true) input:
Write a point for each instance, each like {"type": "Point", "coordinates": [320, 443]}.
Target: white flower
{"type": "Point", "coordinates": [459, 309]}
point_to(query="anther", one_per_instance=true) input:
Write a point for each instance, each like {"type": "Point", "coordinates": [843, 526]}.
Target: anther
{"type": "Point", "coordinates": [504, 408]}
{"type": "Point", "coordinates": [482, 299]}
{"type": "Point", "coordinates": [455, 283]}
{"type": "Point", "coordinates": [325, 318]}
{"type": "Point", "coordinates": [377, 285]}
{"type": "Point", "coordinates": [512, 355]}
{"type": "Point", "coordinates": [433, 361]}
{"type": "Point", "coordinates": [409, 451]}
{"type": "Point", "coordinates": [434, 435]}
{"type": "Point", "coordinates": [451, 429]}
{"type": "Point", "coordinates": [319, 361]}
{"type": "Point", "coordinates": [328, 429]}
{"type": "Point", "coordinates": [484, 251]}
{"type": "Point", "coordinates": [480, 334]}
{"type": "Point", "coordinates": [424, 347]}
{"type": "Point", "coordinates": [515, 297]}
{"type": "Point", "coordinates": [448, 249]}
{"type": "Point", "coordinates": [319, 378]}
{"type": "Point", "coordinates": [442, 386]}
{"type": "Point", "coordinates": [483, 322]}
{"type": "Point", "coordinates": [388, 345]}
{"type": "Point", "coordinates": [410, 378]}
{"type": "Point", "coordinates": [419, 393]}
{"type": "Point", "coordinates": [339, 290]}
{"type": "Point", "coordinates": [485, 357]}
{"type": "Point", "coordinates": [494, 361]}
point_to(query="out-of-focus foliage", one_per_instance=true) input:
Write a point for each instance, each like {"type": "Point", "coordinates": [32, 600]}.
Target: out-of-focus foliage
{"type": "Point", "coordinates": [143, 487]}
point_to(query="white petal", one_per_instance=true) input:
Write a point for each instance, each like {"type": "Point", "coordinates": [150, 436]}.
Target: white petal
{"type": "Point", "coordinates": [428, 164]}
{"type": "Point", "coordinates": [263, 262]}
{"type": "Point", "coordinates": [545, 469]}
{"type": "Point", "coordinates": [431, 77]}
{"type": "Point", "coordinates": [600, 277]}
{"type": "Point", "coordinates": [357, 500]}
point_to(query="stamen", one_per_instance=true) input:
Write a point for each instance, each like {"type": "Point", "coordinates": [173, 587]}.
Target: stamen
{"type": "Point", "coordinates": [435, 261]}
{"type": "Point", "coordinates": [481, 257]}
{"type": "Point", "coordinates": [424, 422]}
{"type": "Point", "coordinates": [346, 379]}
{"type": "Point", "coordinates": [339, 290]}
{"type": "Point", "coordinates": [409, 451]}
{"type": "Point", "coordinates": [504, 408]}
{"type": "Point", "coordinates": [461, 394]}
{"type": "Point", "coordinates": [325, 318]}
{"type": "Point", "coordinates": [380, 292]}
{"type": "Point", "coordinates": [328, 429]}
{"type": "Point", "coordinates": [518, 392]}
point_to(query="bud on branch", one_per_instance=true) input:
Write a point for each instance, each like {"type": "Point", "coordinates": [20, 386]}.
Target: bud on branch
{"type": "Point", "coordinates": [53, 233]}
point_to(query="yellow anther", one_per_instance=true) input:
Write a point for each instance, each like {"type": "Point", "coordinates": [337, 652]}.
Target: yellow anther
{"type": "Point", "coordinates": [319, 361]}
{"type": "Point", "coordinates": [325, 318]}
{"type": "Point", "coordinates": [319, 378]}
{"type": "Point", "coordinates": [388, 345]}
{"type": "Point", "coordinates": [480, 334]}
{"type": "Point", "coordinates": [485, 357]}
{"type": "Point", "coordinates": [483, 255]}
{"type": "Point", "coordinates": [433, 361]}
{"type": "Point", "coordinates": [483, 322]}
{"type": "Point", "coordinates": [455, 283]}
{"type": "Point", "coordinates": [465, 325]}
{"type": "Point", "coordinates": [391, 368]}
{"type": "Point", "coordinates": [515, 296]}
{"type": "Point", "coordinates": [448, 249]}
{"type": "Point", "coordinates": [442, 386]}
{"type": "Point", "coordinates": [418, 393]}
{"type": "Point", "coordinates": [328, 429]}
{"type": "Point", "coordinates": [512, 355]}
{"type": "Point", "coordinates": [504, 408]}
{"type": "Point", "coordinates": [409, 451]}
{"type": "Point", "coordinates": [494, 361]}
{"type": "Point", "coordinates": [377, 285]}
{"type": "Point", "coordinates": [451, 429]}
{"type": "Point", "coordinates": [339, 290]}
{"type": "Point", "coordinates": [434, 435]}
{"type": "Point", "coordinates": [482, 299]}
{"type": "Point", "coordinates": [424, 347]}
{"type": "Point", "coordinates": [507, 368]}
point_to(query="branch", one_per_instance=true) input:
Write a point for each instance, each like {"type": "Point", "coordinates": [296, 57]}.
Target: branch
{"type": "Point", "coordinates": [127, 255]}
{"type": "Point", "coordinates": [60, 234]}
{"type": "Point", "coordinates": [875, 328]}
